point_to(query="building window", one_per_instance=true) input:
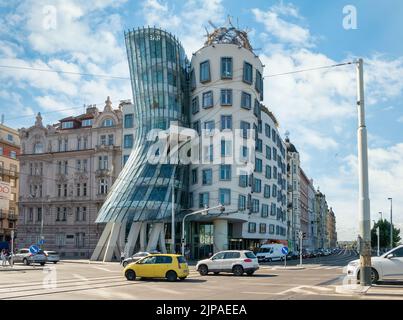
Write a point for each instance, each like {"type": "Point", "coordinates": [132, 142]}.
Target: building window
{"type": "Point", "coordinates": [226, 68]}
{"type": "Point", "coordinates": [78, 165]}
{"type": "Point", "coordinates": [226, 122]}
{"type": "Point", "coordinates": [129, 120]}
{"type": "Point", "coordinates": [190, 199]}
{"type": "Point", "coordinates": [103, 186]}
{"type": "Point", "coordinates": [65, 190]}
{"type": "Point", "coordinates": [78, 189]}
{"type": "Point", "coordinates": [84, 189]}
{"type": "Point", "coordinates": [125, 158]}
{"type": "Point", "coordinates": [257, 109]}
{"type": "Point", "coordinates": [243, 180]}
{"type": "Point", "coordinates": [257, 185]}
{"type": "Point", "coordinates": [265, 211]}
{"type": "Point", "coordinates": [255, 205]}
{"type": "Point", "coordinates": [262, 228]}
{"type": "Point", "coordinates": [107, 123]}
{"type": "Point", "coordinates": [251, 227]}
{"type": "Point", "coordinates": [204, 199]}
{"type": "Point", "coordinates": [1, 151]}
{"type": "Point", "coordinates": [103, 140]}
{"type": "Point", "coordinates": [86, 123]}
{"type": "Point", "coordinates": [226, 97]}
{"type": "Point", "coordinates": [194, 176]}
{"type": "Point", "coordinates": [245, 127]}
{"type": "Point", "coordinates": [196, 126]}
{"type": "Point", "coordinates": [205, 71]}
{"type": "Point", "coordinates": [103, 162]}
{"type": "Point", "coordinates": [259, 145]}
{"type": "Point", "coordinates": [225, 196]}
{"type": "Point", "coordinates": [192, 80]}
{"type": "Point", "coordinates": [66, 144]}
{"type": "Point", "coordinates": [77, 213]}
{"type": "Point", "coordinates": [207, 99]}
{"type": "Point", "coordinates": [195, 105]}
{"type": "Point", "coordinates": [38, 148]}
{"type": "Point", "coordinates": [84, 213]}
{"type": "Point", "coordinates": [207, 177]}
{"type": "Point", "coordinates": [259, 82]}
{"type": "Point", "coordinates": [85, 162]}
{"type": "Point", "coordinates": [258, 165]}
{"type": "Point", "coordinates": [274, 191]}
{"type": "Point", "coordinates": [268, 153]}
{"type": "Point", "coordinates": [247, 73]}
{"type": "Point", "coordinates": [13, 155]}
{"type": "Point", "coordinates": [226, 148]}
{"type": "Point", "coordinates": [67, 125]}
{"type": "Point", "coordinates": [268, 172]}
{"type": "Point", "coordinates": [209, 126]}
{"type": "Point", "coordinates": [267, 130]}
{"type": "Point", "coordinates": [225, 172]}
{"type": "Point", "coordinates": [85, 145]}
{"type": "Point", "coordinates": [128, 141]}
{"type": "Point", "coordinates": [59, 190]}
{"type": "Point", "coordinates": [242, 202]}
{"type": "Point", "coordinates": [110, 139]}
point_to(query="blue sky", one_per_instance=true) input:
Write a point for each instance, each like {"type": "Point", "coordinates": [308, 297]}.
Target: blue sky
{"type": "Point", "coordinates": [317, 108]}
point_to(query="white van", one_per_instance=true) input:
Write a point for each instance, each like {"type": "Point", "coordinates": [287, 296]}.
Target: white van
{"type": "Point", "coordinates": [270, 252]}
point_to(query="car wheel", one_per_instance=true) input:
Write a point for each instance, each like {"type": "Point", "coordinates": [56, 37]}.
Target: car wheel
{"type": "Point", "coordinates": [130, 275]}
{"type": "Point", "coordinates": [182, 278]}
{"type": "Point", "coordinates": [250, 273]}
{"type": "Point", "coordinates": [125, 264]}
{"type": "Point", "coordinates": [42, 263]}
{"type": "Point", "coordinates": [216, 273]}
{"type": "Point", "coordinates": [374, 276]}
{"type": "Point", "coordinates": [26, 262]}
{"type": "Point", "coordinates": [203, 270]}
{"type": "Point", "coordinates": [237, 270]}
{"type": "Point", "coordinates": [54, 262]}
{"type": "Point", "coordinates": [171, 276]}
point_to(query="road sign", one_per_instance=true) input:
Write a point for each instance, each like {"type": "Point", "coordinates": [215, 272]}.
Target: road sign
{"type": "Point", "coordinates": [284, 250]}
{"type": "Point", "coordinates": [41, 242]}
{"type": "Point", "coordinates": [33, 249]}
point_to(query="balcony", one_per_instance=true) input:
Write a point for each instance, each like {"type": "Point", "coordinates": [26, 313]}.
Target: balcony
{"type": "Point", "coordinates": [103, 172]}
{"type": "Point", "coordinates": [10, 173]}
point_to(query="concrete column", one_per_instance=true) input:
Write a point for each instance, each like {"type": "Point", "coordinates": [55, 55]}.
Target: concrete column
{"type": "Point", "coordinates": [220, 235]}
{"type": "Point", "coordinates": [132, 238]}
{"type": "Point", "coordinates": [143, 236]}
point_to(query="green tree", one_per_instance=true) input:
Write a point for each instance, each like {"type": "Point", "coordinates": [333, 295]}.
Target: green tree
{"type": "Point", "coordinates": [384, 237]}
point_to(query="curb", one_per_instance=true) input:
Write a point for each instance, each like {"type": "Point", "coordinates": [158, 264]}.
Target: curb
{"type": "Point", "coordinates": [352, 289]}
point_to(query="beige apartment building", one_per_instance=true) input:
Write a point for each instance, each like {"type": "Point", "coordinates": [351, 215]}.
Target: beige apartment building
{"type": "Point", "coordinates": [66, 172]}
{"type": "Point", "coordinates": [9, 176]}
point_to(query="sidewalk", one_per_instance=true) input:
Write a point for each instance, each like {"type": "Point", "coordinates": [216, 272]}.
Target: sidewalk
{"type": "Point", "coordinates": [19, 267]}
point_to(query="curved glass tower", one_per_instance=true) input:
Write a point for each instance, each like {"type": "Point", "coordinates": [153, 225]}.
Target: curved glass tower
{"type": "Point", "coordinates": [158, 72]}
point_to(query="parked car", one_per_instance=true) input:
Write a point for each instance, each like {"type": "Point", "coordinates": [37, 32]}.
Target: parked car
{"type": "Point", "coordinates": [52, 256]}
{"type": "Point", "coordinates": [237, 262]}
{"type": "Point", "coordinates": [169, 266]}
{"type": "Point", "coordinates": [24, 256]}
{"type": "Point", "coordinates": [388, 266]}
{"type": "Point", "coordinates": [292, 255]}
{"type": "Point", "coordinates": [270, 252]}
{"type": "Point", "coordinates": [136, 257]}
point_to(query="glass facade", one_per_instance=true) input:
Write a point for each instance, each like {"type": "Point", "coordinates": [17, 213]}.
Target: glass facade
{"type": "Point", "coordinates": [158, 72]}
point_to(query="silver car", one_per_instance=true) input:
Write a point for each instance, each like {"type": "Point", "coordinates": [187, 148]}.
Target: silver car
{"type": "Point", "coordinates": [52, 256]}
{"type": "Point", "coordinates": [134, 258]}
{"type": "Point", "coordinates": [26, 257]}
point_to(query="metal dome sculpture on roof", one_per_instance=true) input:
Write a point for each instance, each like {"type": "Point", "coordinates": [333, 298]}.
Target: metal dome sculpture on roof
{"type": "Point", "coordinates": [228, 34]}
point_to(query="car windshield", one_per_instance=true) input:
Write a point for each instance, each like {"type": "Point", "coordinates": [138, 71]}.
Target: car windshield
{"type": "Point", "coordinates": [181, 259]}
{"type": "Point", "coordinates": [250, 255]}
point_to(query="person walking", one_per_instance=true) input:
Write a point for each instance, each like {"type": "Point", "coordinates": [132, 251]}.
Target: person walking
{"type": "Point", "coordinates": [122, 257]}
{"type": "Point", "coordinates": [3, 258]}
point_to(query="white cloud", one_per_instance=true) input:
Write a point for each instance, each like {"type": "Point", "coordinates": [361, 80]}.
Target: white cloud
{"type": "Point", "coordinates": [281, 29]}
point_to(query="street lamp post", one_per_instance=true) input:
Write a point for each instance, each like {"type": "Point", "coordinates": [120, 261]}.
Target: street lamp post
{"type": "Point", "coordinates": [377, 238]}
{"type": "Point", "coordinates": [203, 212]}
{"type": "Point", "coordinates": [364, 206]}
{"type": "Point", "coordinates": [33, 196]}
{"type": "Point", "coordinates": [391, 224]}
{"type": "Point", "coordinates": [300, 247]}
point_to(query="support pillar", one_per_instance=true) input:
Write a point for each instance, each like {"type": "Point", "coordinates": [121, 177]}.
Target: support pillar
{"type": "Point", "coordinates": [220, 235]}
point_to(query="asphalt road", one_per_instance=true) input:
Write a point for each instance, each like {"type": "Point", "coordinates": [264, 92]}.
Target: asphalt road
{"type": "Point", "coordinates": [319, 279]}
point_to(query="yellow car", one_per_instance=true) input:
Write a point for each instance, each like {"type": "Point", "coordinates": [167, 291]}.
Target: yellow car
{"type": "Point", "coordinates": [169, 266]}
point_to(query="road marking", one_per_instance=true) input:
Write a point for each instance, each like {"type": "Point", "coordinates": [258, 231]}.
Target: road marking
{"type": "Point", "coordinates": [303, 289]}
{"type": "Point", "coordinates": [104, 269]}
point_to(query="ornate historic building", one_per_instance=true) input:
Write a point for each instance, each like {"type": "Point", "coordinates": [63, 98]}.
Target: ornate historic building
{"type": "Point", "coordinates": [9, 180]}
{"type": "Point", "coordinates": [66, 172]}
